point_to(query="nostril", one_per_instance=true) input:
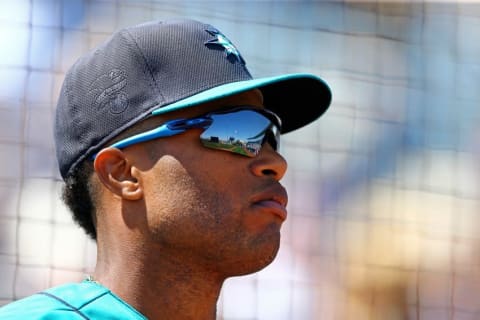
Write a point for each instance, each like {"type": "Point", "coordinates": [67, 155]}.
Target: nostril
{"type": "Point", "coordinates": [269, 172]}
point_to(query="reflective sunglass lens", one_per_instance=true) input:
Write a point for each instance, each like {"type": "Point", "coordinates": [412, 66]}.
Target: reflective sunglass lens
{"type": "Point", "coordinates": [242, 132]}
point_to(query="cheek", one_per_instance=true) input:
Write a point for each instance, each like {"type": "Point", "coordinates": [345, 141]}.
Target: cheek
{"type": "Point", "coordinates": [170, 189]}
{"type": "Point", "coordinates": [182, 205]}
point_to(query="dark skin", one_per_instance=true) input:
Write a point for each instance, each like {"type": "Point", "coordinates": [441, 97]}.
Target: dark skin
{"type": "Point", "coordinates": [175, 219]}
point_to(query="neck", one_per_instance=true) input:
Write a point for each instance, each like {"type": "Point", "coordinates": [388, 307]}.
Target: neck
{"type": "Point", "coordinates": [160, 286]}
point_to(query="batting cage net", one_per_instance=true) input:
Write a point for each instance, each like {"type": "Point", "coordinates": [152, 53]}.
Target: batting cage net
{"type": "Point", "coordinates": [384, 194]}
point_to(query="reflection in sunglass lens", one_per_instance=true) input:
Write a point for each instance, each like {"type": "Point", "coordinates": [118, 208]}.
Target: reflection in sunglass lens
{"type": "Point", "coordinates": [241, 132]}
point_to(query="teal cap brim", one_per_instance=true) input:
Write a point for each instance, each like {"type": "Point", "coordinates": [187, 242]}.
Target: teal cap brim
{"type": "Point", "coordinates": [297, 99]}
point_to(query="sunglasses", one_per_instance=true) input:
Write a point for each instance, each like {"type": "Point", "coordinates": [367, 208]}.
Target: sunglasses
{"type": "Point", "coordinates": [241, 130]}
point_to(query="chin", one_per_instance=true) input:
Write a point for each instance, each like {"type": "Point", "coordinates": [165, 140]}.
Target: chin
{"type": "Point", "coordinates": [267, 260]}
{"type": "Point", "coordinates": [258, 258]}
{"type": "Point", "coordinates": [257, 265]}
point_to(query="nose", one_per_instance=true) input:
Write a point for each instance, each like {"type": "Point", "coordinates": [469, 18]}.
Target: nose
{"type": "Point", "coordinates": [269, 163]}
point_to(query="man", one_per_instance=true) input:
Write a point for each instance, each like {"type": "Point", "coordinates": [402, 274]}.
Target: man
{"type": "Point", "coordinates": [168, 148]}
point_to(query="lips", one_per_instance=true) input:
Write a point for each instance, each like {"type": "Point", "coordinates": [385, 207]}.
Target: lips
{"type": "Point", "coordinates": [273, 200]}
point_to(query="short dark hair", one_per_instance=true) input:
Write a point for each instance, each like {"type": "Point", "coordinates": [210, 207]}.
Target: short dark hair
{"type": "Point", "coordinates": [79, 195]}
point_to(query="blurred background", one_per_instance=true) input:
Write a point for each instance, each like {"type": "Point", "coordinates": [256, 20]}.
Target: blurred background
{"type": "Point", "coordinates": [384, 193]}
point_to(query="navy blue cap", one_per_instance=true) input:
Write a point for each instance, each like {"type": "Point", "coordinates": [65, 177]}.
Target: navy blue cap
{"type": "Point", "coordinates": [158, 67]}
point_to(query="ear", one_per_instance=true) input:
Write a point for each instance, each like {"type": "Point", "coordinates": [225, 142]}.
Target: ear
{"type": "Point", "coordinates": [118, 175]}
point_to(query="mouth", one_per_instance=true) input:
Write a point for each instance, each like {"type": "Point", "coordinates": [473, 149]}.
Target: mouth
{"type": "Point", "coordinates": [274, 201]}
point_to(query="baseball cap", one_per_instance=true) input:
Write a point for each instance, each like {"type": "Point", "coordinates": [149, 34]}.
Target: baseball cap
{"type": "Point", "coordinates": [162, 66]}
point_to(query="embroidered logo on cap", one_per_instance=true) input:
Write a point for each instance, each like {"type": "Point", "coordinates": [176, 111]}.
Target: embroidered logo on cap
{"type": "Point", "coordinates": [109, 91]}
{"type": "Point", "coordinates": [223, 43]}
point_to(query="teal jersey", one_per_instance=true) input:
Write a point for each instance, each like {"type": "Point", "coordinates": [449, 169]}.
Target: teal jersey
{"type": "Point", "coordinates": [80, 301]}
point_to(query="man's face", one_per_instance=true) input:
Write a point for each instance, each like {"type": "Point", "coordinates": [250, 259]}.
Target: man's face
{"type": "Point", "coordinates": [216, 208]}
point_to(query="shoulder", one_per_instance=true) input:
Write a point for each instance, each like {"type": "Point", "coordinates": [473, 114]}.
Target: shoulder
{"type": "Point", "coordinates": [45, 304]}
{"type": "Point", "coordinates": [81, 301]}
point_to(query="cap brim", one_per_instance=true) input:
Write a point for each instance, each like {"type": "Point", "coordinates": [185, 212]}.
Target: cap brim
{"type": "Point", "coordinates": [298, 99]}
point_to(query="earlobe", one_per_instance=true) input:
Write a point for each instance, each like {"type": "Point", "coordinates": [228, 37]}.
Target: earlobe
{"type": "Point", "coordinates": [118, 175]}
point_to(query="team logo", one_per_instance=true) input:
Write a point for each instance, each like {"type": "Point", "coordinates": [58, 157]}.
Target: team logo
{"type": "Point", "coordinates": [223, 43]}
{"type": "Point", "coordinates": [109, 93]}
